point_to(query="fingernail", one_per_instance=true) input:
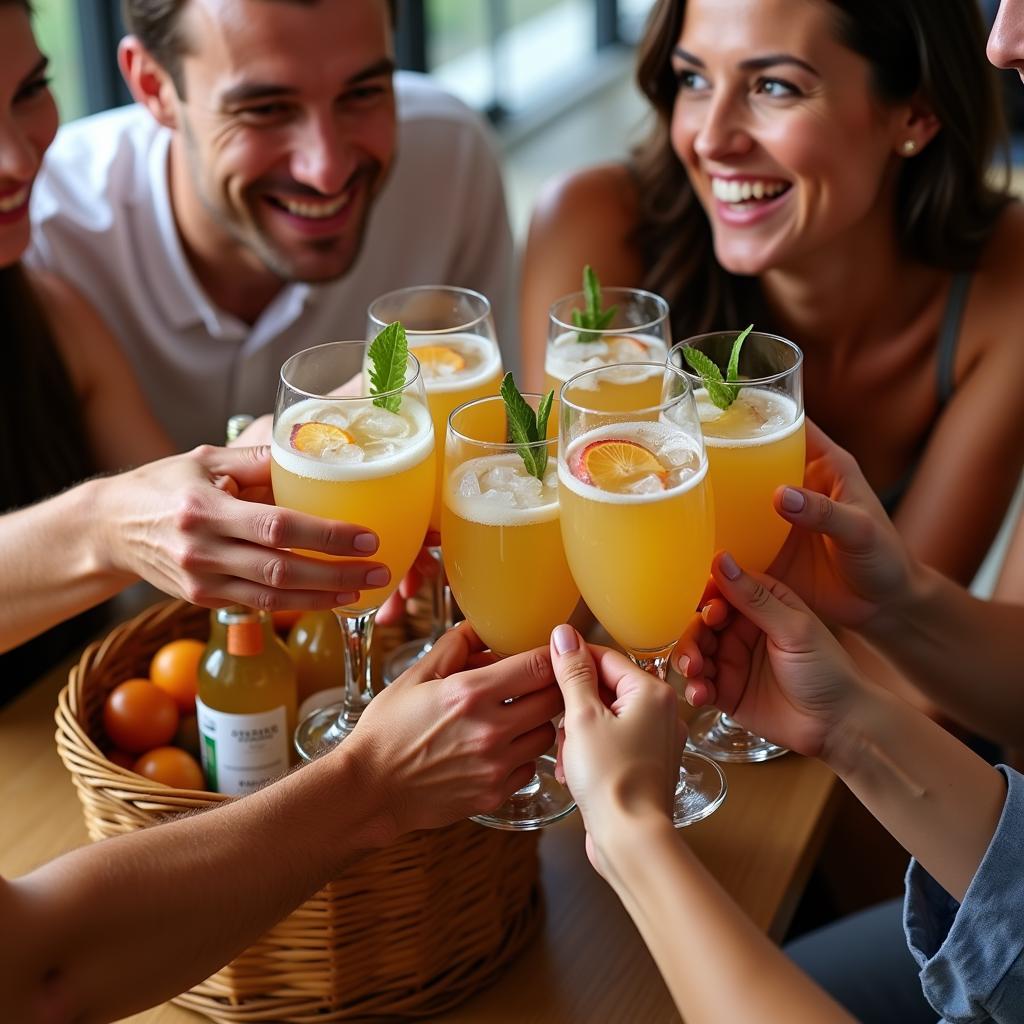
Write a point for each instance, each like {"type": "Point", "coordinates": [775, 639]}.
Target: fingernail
{"type": "Point", "coordinates": [365, 542]}
{"type": "Point", "coordinates": [688, 693]}
{"type": "Point", "coordinates": [377, 577]}
{"type": "Point", "coordinates": [682, 664]}
{"type": "Point", "coordinates": [728, 566]}
{"type": "Point", "coordinates": [565, 639]}
{"type": "Point", "coordinates": [793, 500]}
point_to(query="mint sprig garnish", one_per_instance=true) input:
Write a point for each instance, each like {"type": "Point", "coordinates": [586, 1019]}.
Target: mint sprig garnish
{"type": "Point", "coordinates": [389, 357]}
{"type": "Point", "coordinates": [527, 427]}
{"type": "Point", "coordinates": [721, 390]}
{"type": "Point", "coordinates": [592, 317]}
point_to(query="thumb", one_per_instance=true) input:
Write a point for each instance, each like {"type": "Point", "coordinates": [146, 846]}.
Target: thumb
{"type": "Point", "coordinates": [574, 668]}
{"type": "Point", "coordinates": [848, 527]}
{"type": "Point", "coordinates": [767, 603]}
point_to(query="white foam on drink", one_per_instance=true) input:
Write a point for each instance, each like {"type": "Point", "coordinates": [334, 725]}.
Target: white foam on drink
{"type": "Point", "coordinates": [677, 452]}
{"type": "Point", "coordinates": [496, 490]}
{"type": "Point", "coordinates": [388, 450]}
{"type": "Point", "coordinates": [777, 412]}
{"type": "Point", "coordinates": [567, 356]}
{"type": "Point", "coordinates": [482, 356]}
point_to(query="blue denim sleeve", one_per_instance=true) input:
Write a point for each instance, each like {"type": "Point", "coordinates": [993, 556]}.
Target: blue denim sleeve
{"type": "Point", "coordinates": [972, 954]}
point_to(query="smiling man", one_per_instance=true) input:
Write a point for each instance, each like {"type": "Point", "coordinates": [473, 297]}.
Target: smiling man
{"type": "Point", "coordinates": [274, 176]}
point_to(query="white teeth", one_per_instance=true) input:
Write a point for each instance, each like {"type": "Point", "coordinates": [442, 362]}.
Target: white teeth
{"type": "Point", "coordinates": [729, 190]}
{"type": "Point", "coordinates": [314, 211]}
{"type": "Point", "coordinates": [14, 200]}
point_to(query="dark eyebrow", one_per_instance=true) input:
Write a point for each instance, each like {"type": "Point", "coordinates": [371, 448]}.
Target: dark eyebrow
{"type": "Point", "coordinates": [754, 63]}
{"type": "Point", "coordinates": [39, 69]}
{"type": "Point", "coordinates": [246, 92]}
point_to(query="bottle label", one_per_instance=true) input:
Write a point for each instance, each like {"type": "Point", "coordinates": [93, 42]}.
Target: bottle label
{"type": "Point", "coordinates": [241, 753]}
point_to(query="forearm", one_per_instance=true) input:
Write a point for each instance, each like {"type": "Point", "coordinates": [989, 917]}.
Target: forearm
{"type": "Point", "coordinates": [128, 923]}
{"type": "Point", "coordinates": [937, 798]}
{"type": "Point", "coordinates": [962, 652]}
{"type": "Point", "coordinates": [716, 963]}
{"type": "Point", "coordinates": [53, 563]}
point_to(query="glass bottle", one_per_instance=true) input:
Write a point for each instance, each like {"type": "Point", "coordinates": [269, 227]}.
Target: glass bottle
{"type": "Point", "coordinates": [246, 705]}
{"type": "Point", "coordinates": [317, 648]}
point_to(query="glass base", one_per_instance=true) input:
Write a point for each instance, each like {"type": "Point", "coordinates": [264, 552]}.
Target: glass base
{"type": "Point", "coordinates": [715, 734]}
{"type": "Point", "coordinates": [324, 730]}
{"type": "Point", "coordinates": [700, 791]}
{"type": "Point", "coordinates": [403, 657]}
{"type": "Point", "coordinates": [542, 801]}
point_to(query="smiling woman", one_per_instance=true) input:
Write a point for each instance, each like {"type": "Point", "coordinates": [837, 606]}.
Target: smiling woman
{"type": "Point", "coordinates": [819, 168]}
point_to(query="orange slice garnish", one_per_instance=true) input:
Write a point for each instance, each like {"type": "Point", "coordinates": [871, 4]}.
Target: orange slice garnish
{"type": "Point", "coordinates": [319, 439]}
{"type": "Point", "coordinates": [613, 464]}
{"type": "Point", "coordinates": [438, 360]}
{"type": "Point", "coordinates": [625, 344]}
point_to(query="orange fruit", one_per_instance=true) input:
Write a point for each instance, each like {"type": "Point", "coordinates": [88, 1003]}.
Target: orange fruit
{"type": "Point", "coordinates": [315, 438]}
{"type": "Point", "coordinates": [139, 716]}
{"type": "Point", "coordinates": [439, 360]}
{"type": "Point", "coordinates": [172, 767]}
{"type": "Point", "coordinates": [175, 669]}
{"type": "Point", "coordinates": [612, 464]}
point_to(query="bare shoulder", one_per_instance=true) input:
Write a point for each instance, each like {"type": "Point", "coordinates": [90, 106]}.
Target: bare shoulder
{"type": "Point", "coordinates": [588, 216]}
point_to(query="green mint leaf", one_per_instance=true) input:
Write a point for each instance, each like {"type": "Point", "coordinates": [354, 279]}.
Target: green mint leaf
{"type": "Point", "coordinates": [732, 372]}
{"type": "Point", "coordinates": [711, 377]}
{"type": "Point", "coordinates": [523, 427]}
{"type": "Point", "coordinates": [543, 412]}
{"type": "Point", "coordinates": [389, 357]}
{"type": "Point", "coordinates": [591, 318]}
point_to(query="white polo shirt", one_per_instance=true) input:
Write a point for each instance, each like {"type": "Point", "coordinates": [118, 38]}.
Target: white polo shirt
{"type": "Point", "coordinates": [102, 219]}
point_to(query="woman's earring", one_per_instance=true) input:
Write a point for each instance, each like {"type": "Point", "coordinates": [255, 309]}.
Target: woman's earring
{"type": "Point", "coordinates": [909, 147]}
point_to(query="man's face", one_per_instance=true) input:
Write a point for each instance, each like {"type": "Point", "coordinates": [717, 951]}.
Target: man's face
{"type": "Point", "coordinates": [288, 125]}
{"type": "Point", "coordinates": [1006, 41]}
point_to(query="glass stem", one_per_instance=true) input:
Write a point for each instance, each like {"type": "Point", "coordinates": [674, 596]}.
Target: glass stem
{"type": "Point", "coordinates": [440, 598]}
{"type": "Point", "coordinates": [357, 630]}
{"type": "Point", "coordinates": [726, 724]}
{"type": "Point", "coordinates": [657, 665]}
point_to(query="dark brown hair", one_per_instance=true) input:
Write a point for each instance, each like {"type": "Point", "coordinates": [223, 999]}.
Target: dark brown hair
{"type": "Point", "coordinates": [42, 437]}
{"type": "Point", "coordinates": [945, 209]}
{"type": "Point", "coordinates": [156, 24]}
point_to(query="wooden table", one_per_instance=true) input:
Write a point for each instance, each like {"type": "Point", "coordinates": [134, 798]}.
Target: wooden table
{"type": "Point", "coordinates": [588, 964]}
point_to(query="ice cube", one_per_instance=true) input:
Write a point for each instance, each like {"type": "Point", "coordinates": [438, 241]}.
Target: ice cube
{"type": "Point", "coordinates": [344, 454]}
{"type": "Point", "coordinates": [649, 483]}
{"type": "Point", "coordinates": [469, 485]}
{"type": "Point", "coordinates": [381, 449]}
{"type": "Point", "coordinates": [526, 491]}
{"type": "Point", "coordinates": [380, 423]}
{"type": "Point", "coordinates": [336, 415]}
{"type": "Point", "coordinates": [502, 497]}
{"type": "Point", "coordinates": [551, 480]}
{"type": "Point", "coordinates": [678, 453]}
{"type": "Point", "coordinates": [500, 477]}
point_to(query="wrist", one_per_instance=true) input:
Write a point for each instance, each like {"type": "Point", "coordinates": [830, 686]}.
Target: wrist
{"type": "Point", "coordinates": [857, 730]}
{"type": "Point", "coordinates": [626, 839]}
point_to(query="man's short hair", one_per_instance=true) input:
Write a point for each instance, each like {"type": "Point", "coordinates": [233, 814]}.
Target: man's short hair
{"type": "Point", "coordinates": [157, 25]}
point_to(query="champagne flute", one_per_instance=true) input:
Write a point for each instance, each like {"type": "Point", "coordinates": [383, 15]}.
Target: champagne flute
{"type": "Point", "coordinates": [638, 527]}
{"type": "Point", "coordinates": [340, 453]}
{"type": "Point", "coordinates": [754, 446]}
{"type": "Point", "coordinates": [503, 550]}
{"type": "Point", "coordinates": [637, 334]}
{"type": "Point", "coordinates": [451, 332]}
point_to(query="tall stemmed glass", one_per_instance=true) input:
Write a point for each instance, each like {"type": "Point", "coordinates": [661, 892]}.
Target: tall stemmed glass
{"type": "Point", "coordinates": [638, 333]}
{"type": "Point", "coordinates": [638, 528]}
{"type": "Point", "coordinates": [754, 446]}
{"type": "Point", "coordinates": [341, 454]}
{"type": "Point", "coordinates": [503, 550]}
{"type": "Point", "coordinates": [451, 330]}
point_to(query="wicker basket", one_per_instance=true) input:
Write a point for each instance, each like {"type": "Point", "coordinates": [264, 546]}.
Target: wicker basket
{"type": "Point", "coordinates": [406, 932]}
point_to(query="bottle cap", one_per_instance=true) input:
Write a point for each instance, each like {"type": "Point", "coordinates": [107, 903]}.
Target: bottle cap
{"type": "Point", "coordinates": [236, 424]}
{"type": "Point", "coordinates": [245, 638]}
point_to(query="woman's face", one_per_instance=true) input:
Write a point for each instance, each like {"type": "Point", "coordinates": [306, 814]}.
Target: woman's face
{"type": "Point", "coordinates": [28, 122]}
{"type": "Point", "coordinates": [776, 123]}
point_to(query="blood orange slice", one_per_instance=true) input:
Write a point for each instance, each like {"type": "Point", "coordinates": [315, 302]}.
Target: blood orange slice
{"type": "Point", "coordinates": [616, 464]}
{"type": "Point", "coordinates": [439, 360]}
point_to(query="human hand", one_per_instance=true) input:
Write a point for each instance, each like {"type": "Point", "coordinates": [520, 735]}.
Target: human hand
{"type": "Point", "coordinates": [843, 557]}
{"type": "Point", "coordinates": [771, 663]}
{"type": "Point", "coordinates": [620, 740]}
{"type": "Point", "coordinates": [179, 524]}
{"type": "Point", "coordinates": [441, 743]}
